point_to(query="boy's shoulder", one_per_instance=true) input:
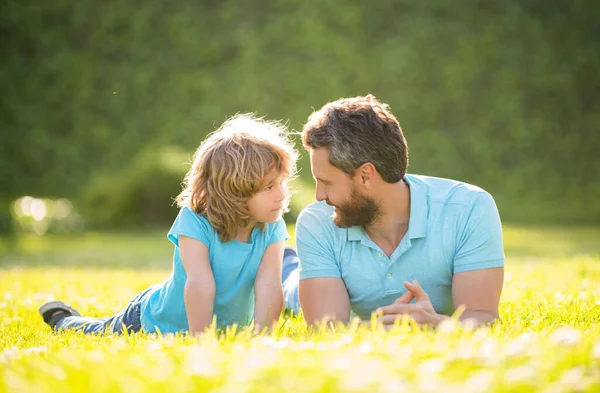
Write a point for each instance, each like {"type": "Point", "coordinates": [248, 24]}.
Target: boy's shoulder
{"type": "Point", "coordinates": [271, 227]}
{"type": "Point", "coordinates": [187, 212]}
{"type": "Point", "coordinates": [279, 222]}
{"type": "Point", "coordinates": [188, 218]}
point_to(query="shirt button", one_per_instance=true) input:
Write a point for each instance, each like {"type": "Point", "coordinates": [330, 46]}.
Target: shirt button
{"type": "Point", "coordinates": [381, 255]}
{"type": "Point", "coordinates": [389, 275]}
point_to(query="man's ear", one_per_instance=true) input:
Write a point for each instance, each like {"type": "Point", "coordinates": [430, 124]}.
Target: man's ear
{"type": "Point", "coordinates": [366, 174]}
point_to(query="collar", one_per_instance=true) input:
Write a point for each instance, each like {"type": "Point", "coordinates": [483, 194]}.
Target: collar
{"type": "Point", "coordinates": [417, 223]}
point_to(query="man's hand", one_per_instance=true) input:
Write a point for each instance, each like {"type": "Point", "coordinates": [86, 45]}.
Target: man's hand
{"type": "Point", "coordinates": [421, 311]}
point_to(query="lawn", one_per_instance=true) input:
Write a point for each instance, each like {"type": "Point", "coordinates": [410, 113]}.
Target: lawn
{"type": "Point", "coordinates": [548, 339]}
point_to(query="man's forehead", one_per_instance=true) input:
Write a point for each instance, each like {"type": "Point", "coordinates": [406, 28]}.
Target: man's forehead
{"type": "Point", "coordinates": [319, 161]}
{"type": "Point", "coordinates": [322, 169]}
{"type": "Point", "coordinates": [320, 156]}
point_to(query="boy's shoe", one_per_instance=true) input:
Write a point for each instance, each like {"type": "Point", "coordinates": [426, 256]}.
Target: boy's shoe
{"type": "Point", "coordinates": [54, 311]}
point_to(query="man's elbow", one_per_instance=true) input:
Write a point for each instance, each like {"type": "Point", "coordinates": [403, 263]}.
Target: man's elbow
{"type": "Point", "coordinates": [315, 315]}
{"type": "Point", "coordinates": [480, 318]}
{"type": "Point", "coordinates": [493, 315]}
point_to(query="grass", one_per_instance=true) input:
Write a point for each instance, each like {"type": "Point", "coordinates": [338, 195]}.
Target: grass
{"type": "Point", "coordinates": [548, 339]}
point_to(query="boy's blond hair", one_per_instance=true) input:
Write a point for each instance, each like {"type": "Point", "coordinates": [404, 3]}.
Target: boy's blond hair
{"type": "Point", "coordinates": [233, 164]}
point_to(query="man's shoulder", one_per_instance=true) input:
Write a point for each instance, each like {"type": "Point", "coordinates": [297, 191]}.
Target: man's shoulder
{"type": "Point", "coordinates": [446, 191]}
{"type": "Point", "coordinates": [316, 212]}
{"type": "Point", "coordinates": [317, 219]}
{"type": "Point", "coordinates": [319, 208]}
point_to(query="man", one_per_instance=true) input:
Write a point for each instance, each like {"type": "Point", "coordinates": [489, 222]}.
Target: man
{"type": "Point", "coordinates": [380, 240]}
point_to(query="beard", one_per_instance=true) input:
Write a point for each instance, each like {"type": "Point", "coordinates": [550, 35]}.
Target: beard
{"type": "Point", "coordinates": [359, 211]}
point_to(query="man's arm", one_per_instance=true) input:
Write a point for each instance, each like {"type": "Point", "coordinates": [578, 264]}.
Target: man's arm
{"type": "Point", "coordinates": [267, 287]}
{"type": "Point", "coordinates": [479, 292]}
{"type": "Point", "coordinates": [199, 291]}
{"type": "Point", "coordinates": [324, 299]}
{"type": "Point", "coordinates": [479, 262]}
{"type": "Point", "coordinates": [322, 292]}
{"type": "Point", "coordinates": [478, 272]}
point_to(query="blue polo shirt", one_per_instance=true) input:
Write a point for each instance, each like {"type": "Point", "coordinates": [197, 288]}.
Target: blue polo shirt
{"type": "Point", "coordinates": [453, 227]}
{"type": "Point", "coordinates": [234, 266]}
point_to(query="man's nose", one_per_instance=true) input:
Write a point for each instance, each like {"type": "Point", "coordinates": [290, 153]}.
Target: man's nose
{"type": "Point", "coordinates": [320, 195]}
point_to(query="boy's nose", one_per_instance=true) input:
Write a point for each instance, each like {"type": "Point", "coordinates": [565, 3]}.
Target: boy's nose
{"type": "Point", "coordinates": [282, 194]}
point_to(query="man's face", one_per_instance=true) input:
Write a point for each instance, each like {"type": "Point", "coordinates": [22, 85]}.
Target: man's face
{"type": "Point", "coordinates": [337, 189]}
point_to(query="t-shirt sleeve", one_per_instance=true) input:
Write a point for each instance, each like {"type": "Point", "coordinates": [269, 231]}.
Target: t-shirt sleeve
{"type": "Point", "coordinates": [190, 224]}
{"type": "Point", "coordinates": [479, 244]}
{"type": "Point", "coordinates": [278, 232]}
{"type": "Point", "coordinates": [315, 246]}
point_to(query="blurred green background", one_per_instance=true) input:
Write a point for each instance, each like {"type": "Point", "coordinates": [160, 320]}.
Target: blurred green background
{"type": "Point", "coordinates": [103, 102]}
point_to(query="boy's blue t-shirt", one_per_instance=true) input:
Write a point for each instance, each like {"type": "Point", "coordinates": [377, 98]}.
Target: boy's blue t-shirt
{"type": "Point", "coordinates": [234, 265]}
{"type": "Point", "coordinates": [453, 227]}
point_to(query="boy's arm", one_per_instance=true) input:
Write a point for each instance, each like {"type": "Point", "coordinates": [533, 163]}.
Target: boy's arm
{"type": "Point", "coordinates": [267, 288]}
{"type": "Point", "coordinates": [199, 291]}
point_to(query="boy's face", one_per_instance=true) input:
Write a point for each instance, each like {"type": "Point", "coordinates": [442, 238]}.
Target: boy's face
{"type": "Point", "coordinates": [267, 204]}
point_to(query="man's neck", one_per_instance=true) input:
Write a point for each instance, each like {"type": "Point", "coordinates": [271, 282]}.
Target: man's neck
{"type": "Point", "coordinates": [391, 225]}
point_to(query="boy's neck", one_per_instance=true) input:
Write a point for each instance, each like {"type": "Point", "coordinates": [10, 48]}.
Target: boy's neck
{"type": "Point", "coordinates": [243, 235]}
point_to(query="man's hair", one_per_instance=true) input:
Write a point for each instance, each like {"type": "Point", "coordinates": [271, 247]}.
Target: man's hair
{"type": "Point", "coordinates": [233, 164]}
{"type": "Point", "coordinates": [356, 131]}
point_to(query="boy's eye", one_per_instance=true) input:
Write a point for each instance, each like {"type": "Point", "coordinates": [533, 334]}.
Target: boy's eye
{"type": "Point", "coordinates": [270, 186]}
